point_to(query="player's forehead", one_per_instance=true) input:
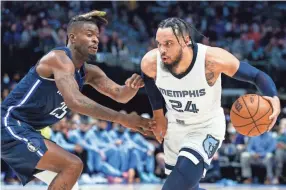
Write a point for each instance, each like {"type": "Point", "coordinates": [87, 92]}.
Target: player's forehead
{"type": "Point", "coordinates": [165, 34]}
{"type": "Point", "coordinates": [88, 26]}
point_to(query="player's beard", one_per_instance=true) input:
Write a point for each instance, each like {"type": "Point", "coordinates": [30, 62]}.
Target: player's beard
{"type": "Point", "coordinates": [91, 58]}
{"type": "Point", "coordinates": [176, 61]}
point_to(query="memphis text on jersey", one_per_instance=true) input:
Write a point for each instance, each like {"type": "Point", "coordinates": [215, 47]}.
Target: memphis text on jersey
{"type": "Point", "coordinates": [183, 93]}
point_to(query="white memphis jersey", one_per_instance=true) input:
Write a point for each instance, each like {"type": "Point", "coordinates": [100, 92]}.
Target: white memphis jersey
{"type": "Point", "coordinates": [189, 98]}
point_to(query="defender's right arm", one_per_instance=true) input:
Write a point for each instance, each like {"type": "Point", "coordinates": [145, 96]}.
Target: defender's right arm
{"type": "Point", "coordinates": [63, 71]}
{"type": "Point", "coordinates": [149, 70]}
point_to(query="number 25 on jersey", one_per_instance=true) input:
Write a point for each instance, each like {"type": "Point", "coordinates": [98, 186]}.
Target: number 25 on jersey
{"type": "Point", "coordinates": [60, 112]}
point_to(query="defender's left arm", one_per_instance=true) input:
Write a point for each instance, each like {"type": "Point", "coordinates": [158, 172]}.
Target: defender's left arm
{"type": "Point", "coordinates": [222, 61]}
{"type": "Point", "coordinates": [98, 80]}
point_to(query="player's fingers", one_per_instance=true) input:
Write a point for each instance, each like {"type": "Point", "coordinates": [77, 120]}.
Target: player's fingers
{"type": "Point", "coordinates": [136, 81]}
{"type": "Point", "coordinates": [274, 112]}
{"type": "Point", "coordinates": [148, 124]}
{"type": "Point", "coordinates": [150, 134]}
{"type": "Point", "coordinates": [128, 82]}
{"type": "Point", "coordinates": [141, 84]}
{"type": "Point", "coordinates": [140, 130]}
{"type": "Point", "coordinates": [272, 124]}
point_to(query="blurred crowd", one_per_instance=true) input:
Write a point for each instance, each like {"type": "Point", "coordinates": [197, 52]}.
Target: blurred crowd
{"type": "Point", "coordinates": [250, 30]}
{"type": "Point", "coordinates": [253, 31]}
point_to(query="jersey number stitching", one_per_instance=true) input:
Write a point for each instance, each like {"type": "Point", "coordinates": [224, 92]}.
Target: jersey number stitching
{"type": "Point", "coordinates": [56, 111]}
{"type": "Point", "coordinates": [176, 105]}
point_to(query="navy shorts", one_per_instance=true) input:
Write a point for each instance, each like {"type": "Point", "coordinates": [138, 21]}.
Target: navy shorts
{"type": "Point", "coordinates": [21, 147]}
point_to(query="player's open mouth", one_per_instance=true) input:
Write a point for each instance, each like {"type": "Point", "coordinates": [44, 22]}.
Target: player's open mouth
{"type": "Point", "coordinates": [164, 58]}
{"type": "Point", "coordinates": [93, 48]}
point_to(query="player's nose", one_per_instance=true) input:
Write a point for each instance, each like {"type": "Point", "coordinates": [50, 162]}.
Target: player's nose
{"type": "Point", "coordinates": [95, 40]}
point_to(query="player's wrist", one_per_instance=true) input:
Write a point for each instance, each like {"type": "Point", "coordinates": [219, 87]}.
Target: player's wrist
{"type": "Point", "coordinates": [121, 118]}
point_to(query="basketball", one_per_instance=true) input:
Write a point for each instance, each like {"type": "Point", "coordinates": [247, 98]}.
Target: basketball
{"type": "Point", "coordinates": [250, 115]}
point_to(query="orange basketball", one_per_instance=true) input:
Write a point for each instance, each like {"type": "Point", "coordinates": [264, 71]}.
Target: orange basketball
{"type": "Point", "coordinates": [250, 115]}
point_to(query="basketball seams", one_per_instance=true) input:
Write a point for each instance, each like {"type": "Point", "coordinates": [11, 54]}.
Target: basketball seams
{"type": "Point", "coordinates": [240, 115]}
{"type": "Point", "coordinates": [257, 106]}
{"type": "Point", "coordinates": [252, 122]}
{"type": "Point", "coordinates": [251, 116]}
{"type": "Point", "coordinates": [255, 127]}
{"type": "Point", "coordinates": [263, 115]}
{"type": "Point", "coordinates": [252, 129]}
{"type": "Point", "coordinates": [243, 125]}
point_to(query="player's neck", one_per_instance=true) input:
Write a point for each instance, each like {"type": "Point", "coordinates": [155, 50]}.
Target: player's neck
{"type": "Point", "coordinates": [185, 62]}
{"type": "Point", "coordinates": [77, 58]}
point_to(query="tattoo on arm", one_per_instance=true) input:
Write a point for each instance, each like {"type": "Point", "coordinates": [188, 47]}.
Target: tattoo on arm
{"type": "Point", "coordinates": [67, 81]}
{"type": "Point", "coordinates": [210, 75]}
{"type": "Point", "coordinates": [64, 186]}
{"type": "Point", "coordinates": [105, 85]}
{"type": "Point", "coordinates": [69, 88]}
{"type": "Point", "coordinates": [96, 110]}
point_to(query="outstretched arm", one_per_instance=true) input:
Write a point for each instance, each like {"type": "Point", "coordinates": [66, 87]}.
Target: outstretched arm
{"type": "Point", "coordinates": [220, 61]}
{"type": "Point", "coordinates": [63, 70]}
{"type": "Point", "coordinates": [98, 80]}
{"type": "Point", "coordinates": [148, 69]}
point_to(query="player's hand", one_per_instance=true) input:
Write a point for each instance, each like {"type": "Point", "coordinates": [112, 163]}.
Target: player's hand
{"type": "Point", "coordinates": [161, 128]}
{"type": "Point", "coordinates": [275, 103]}
{"type": "Point", "coordinates": [135, 82]}
{"type": "Point", "coordinates": [137, 123]}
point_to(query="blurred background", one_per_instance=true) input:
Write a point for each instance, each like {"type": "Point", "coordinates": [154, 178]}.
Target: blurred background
{"type": "Point", "coordinates": [253, 31]}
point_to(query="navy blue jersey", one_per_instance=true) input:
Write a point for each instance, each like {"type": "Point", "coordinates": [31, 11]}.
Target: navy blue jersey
{"type": "Point", "coordinates": [36, 100]}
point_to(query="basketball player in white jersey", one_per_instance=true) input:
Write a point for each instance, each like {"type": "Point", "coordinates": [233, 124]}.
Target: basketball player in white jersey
{"type": "Point", "coordinates": [187, 76]}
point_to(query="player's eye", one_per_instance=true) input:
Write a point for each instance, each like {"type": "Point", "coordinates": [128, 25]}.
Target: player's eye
{"type": "Point", "coordinates": [169, 44]}
{"type": "Point", "coordinates": [89, 34]}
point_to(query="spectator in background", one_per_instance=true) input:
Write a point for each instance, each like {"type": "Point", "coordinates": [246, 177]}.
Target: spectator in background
{"type": "Point", "coordinates": [241, 46]}
{"type": "Point", "coordinates": [60, 136]}
{"type": "Point", "coordinates": [5, 93]}
{"type": "Point", "coordinates": [104, 45]}
{"type": "Point", "coordinates": [5, 81]}
{"type": "Point", "coordinates": [127, 160]}
{"type": "Point", "coordinates": [259, 151]}
{"type": "Point", "coordinates": [27, 35]}
{"type": "Point", "coordinates": [280, 153]}
{"type": "Point", "coordinates": [144, 152]}
{"type": "Point", "coordinates": [103, 156]}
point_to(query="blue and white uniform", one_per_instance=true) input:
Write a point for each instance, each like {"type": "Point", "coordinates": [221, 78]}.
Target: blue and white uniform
{"type": "Point", "coordinates": [34, 104]}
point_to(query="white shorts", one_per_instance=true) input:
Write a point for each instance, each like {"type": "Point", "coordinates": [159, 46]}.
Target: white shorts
{"type": "Point", "coordinates": [195, 140]}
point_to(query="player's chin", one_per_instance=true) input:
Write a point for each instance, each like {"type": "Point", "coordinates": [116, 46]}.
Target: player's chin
{"type": "Point", "coordinates": [92, 52]}
{"type": "Point", "coordinates": [167, 63]}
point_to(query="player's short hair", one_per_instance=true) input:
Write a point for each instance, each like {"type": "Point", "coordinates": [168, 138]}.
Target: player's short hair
{"type": "Point", "coordinates": [179, 27]}
{"type": "Point", "coordinates": [95, 17]}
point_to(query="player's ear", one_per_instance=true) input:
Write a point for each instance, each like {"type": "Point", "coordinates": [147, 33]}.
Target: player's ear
{"type": "Point", "coordinates": [72, 38]}
{"type": "Point", "coordinates": [187, 40]}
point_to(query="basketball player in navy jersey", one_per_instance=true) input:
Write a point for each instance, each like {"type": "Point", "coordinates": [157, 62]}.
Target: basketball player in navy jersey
{"type": "Point", "coordinates": [187, 75]}
{"type": "Point", "coordinates": [48, 92]}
